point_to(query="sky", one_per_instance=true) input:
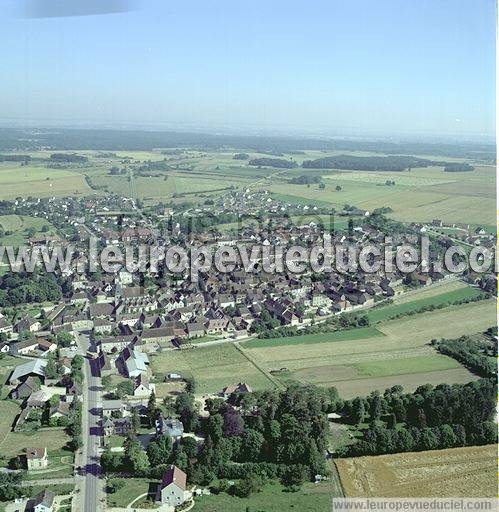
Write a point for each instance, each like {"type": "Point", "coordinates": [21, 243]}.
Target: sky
{"type": "Point", "coordinates": [332, 67]}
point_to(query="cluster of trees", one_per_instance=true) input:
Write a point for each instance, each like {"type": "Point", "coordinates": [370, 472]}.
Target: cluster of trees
{"type": "Point", "coordinates": [10, 488]}
{"type": "Point", "coordinates": [68, 157]}
{"type": "Point", "coordinates": [23, 288]}
{"type": "Point", "coordinates": [15, 158]}
{"type": "Point", "coordinates": [367, 163]}
{"type": "Point", "coordinates": [241, 156]}
{"type": "Point", "coordinates": [274, 434]}
{"type": "Point", "coordinates": [304, 180]}
{"type": "Point", "coordinates": [458, 167]}
{"type": "Point", "coordinates": [472, 353]}
{"type": "Point", "coordinates": [279, 163]}
{"type": "Point", "coordinates": [335, 323]}
{"type": "Point", "coordinates": [428, 419]}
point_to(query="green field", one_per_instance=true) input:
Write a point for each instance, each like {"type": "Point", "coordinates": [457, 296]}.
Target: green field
{"type": "Point", "coordinates": [417, 364]}
{"type": "Point", "coordinates": [328, 337]}
{"type": "Point", "coordinates": [272, 498]}
{"type": "Point", "coordinates": [383, 313]}
{"type": "Point", "coordinates": [19, 225]}
{"type": "Point", "coordinates": [213, 367]}
{"type": "Point", "coordinates": [38, 180]}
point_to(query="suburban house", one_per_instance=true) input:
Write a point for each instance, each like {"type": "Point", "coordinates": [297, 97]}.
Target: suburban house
{"type": "Point", "coordinates": [170, 427]}
{"type": "Point", "coordinates": [143, 388]}
{"type": "Point", "coordinates": [117, 426]}
{"type": "Point", "coordinates": [36, 458]}
{"type": "Point", "coordinates": [26, 388]}
{"type": "Point", "coordinates": [173, 488]}
{"type": "Point", "coordinates": [43, 502]}
{"type": "Point", "coordinates": [242, 387]}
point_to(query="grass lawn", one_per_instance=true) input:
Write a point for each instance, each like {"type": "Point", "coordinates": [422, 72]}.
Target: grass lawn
{"type": "Point", "coordinates": [114, 441]}
{"type": "Point", "coordinates": [327, 337]}
{"type": "Point", "coordinates": [390, 311]}
{"type": "Point", "coordinates": [133, 488]}
{"type": "Point", "coordinates": [8, 412]}
{"type": "Point", "coordinates": [16, 442]}
{"type": "Point", "coordinates": [272, 498]}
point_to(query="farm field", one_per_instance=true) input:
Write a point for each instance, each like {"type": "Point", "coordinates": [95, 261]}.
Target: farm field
{"type": "Point", "coordinates": [383, 313]}
{"type": "Point", "coordinates": [213, 367]}
{"type": "Point", "coordinates": [419, 195]}
{"type": "Point", "coordinates": [328, 337]}
{"type": "Point", "coordinates": [24, 181]}
{"type": "Point", "coordinates": [405, 341]}
{"type": "Point", "coordinates": [467, 472]}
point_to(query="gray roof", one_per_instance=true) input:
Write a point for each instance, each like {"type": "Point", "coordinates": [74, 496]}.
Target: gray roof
{"type": "Point", "coordinates": [36, 366]}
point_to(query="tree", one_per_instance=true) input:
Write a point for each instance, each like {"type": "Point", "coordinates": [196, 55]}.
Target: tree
{"type": "Point", "coordinates": [294, 476]}
{"type": "Point", "coordinates": [159, 451]}
{"type": "Point", "coordinates": [124, 388]}
{"type": "Point", "coordinates": [338, 188]}
{"type": "Point", "coordinates": [111, 461]}
{"type": "Point", "coordinates": [358, 411]}
{"type": "Point", "coordinates": [428, 439]}
{"type": "Point", "coordinates": [186, 409]}
{"type": "Point", "coordinates": [215, 427]}
{"type": "Point", "coordinates": [392, 421]}
{"type": "Point", "coordinates": [9, 486]}
{"type": "Point", "coordinates": [251, 446]}
{"type": "Point", "coordinates": [135, 420]}
{"type": "Point", "coordinates": [375, 407]}
{"type": "Point", "coordinates": [190, 447]}
{"type": "Point", "coordinates": [64, 339]}
{"type": "Point", "coordinates": [233, 422]}
{"type": "Point", "coordinates": [350, 226]}
{"type": "Point", "coordinates": [51, 369]}
{"type": "Point", "coordinates": [247, 486]}
{"type": "Point", "coordinates": [315, 461]}
{"type": "Point", "coordinates": [152, 409]}
{"type": "Point", "coordinates": [135, 456]}
{"type": "Point", "coordinates": [179, 457]}
{"type": "Point", "coordinates": [447, 437]}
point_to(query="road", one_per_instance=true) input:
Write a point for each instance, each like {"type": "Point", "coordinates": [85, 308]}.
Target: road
{"type": "Point", "coordinates": [89, 481]}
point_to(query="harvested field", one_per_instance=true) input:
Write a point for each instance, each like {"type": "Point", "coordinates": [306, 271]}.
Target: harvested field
{"type": "Point", "coordinates": [468, 472]}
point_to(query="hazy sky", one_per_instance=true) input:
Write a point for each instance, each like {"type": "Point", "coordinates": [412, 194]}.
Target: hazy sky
{"type": "Point", "coordinates": [336, 66]}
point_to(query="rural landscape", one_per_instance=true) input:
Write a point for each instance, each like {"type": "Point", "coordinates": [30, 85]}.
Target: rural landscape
{"type": "Point", "coordinates": [248, 256]}
{"type": "Point", "coordinates": [208, 379]}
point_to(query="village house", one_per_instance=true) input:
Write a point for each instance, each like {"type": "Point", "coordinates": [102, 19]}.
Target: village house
{"type": "Point", "coordinates": [143, 388]}
{"type": "Point", "coordinates": [36, 458]}
{"type": "Point", "coordinates": [173, 488]}
{"type": "Point", "coordinates": [170, 427]}
{"type": "Point", "coordinates": [42, 502]}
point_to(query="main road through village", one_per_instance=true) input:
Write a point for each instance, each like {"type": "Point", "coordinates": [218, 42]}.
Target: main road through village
{"type": "Point", "coordinates": [89, 469]}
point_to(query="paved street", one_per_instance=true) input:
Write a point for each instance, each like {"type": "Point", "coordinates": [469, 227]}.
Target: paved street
{"type": "Point", "coordinates": [89, 476]}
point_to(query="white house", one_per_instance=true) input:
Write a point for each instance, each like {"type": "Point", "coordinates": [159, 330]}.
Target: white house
{"type": "Point", "coordinates": [173, 488]}
{"type": "Point", "coordinates": [43, 502]}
